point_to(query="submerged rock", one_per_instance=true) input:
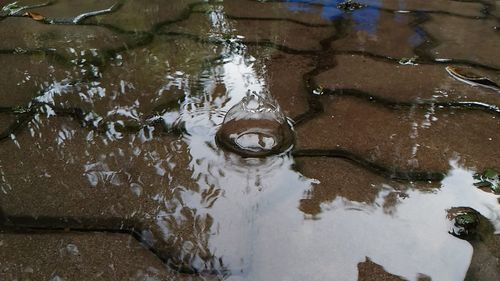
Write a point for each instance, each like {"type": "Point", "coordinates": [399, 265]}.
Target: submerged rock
{"type": "Point", "coordinates": [465, 221]}
{"type": "Point", "coordinates": [255, 127]}
{"type": "Point", "coordinates": [489, 180]}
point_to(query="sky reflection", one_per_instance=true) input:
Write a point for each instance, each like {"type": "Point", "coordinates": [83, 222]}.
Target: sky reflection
{"type": "Point", "coordinates": [258, 229]}
{"type": "Point", "coordinates": [365, 19]}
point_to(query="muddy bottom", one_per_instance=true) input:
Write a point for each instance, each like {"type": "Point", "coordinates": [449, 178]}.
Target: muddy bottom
{"type": "Point", "coordinates": [130, 150]}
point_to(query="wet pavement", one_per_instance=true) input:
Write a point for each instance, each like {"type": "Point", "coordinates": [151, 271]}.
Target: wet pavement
{"type": "Point", "coordinates": [110, 168]}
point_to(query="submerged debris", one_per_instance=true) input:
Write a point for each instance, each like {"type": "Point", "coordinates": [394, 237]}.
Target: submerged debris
{"type": "Point", "coordinates": [11, 9]}
{"type": "Point", "coordinates": [472, 78]}
{"type": "Point", "coordinates": [465, 221]}
{"type": "Point", "coordinates": [409, 61]}
{"type": "Point", "coordinates": [34, 16]}
{"type": "Point", "coordinates": [489, 179]}
{"type": "Point", "coordinates": [320, 90]}
{"type": "Point", "coordinates": [350, 5]}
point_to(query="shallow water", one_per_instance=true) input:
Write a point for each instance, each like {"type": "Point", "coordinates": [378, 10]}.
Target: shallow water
{"type": "Point", "coordinates": [110, 168]}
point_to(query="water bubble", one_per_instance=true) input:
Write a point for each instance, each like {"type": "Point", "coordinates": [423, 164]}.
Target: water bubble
{"type": "Point", "coordinates": [255, 127]}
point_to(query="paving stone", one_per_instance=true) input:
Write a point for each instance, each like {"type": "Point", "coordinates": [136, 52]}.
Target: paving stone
{"type": "Point", "coordinates": [457, 39]}
{"type": "Point", "coordinates": [470, 9]}
{"type": "Point", "coordinates": [258, 31]}
{"type": "Point", "coordinates": [387, 34]}
{"type": "Point", "coordinates": [5, 121]}
{"type": "Point", "coordinates": [276, 10]}
{"type": "Point", "coordinates": [496, 11]}
{"type": "Point", "coordinates": [151, 13]}
{"type": "Point", "coordinates": [69, 9]}
{"type": "Point", "coordinates": [403, 83]}
{"type": "Point", "coordinates": [141, 81]}
{"type": "Point", "coordinates": [80, 256]}
{"type": "Point", "coordinates": [26, 76]}
{"type": "Point", "coordinates": [340, 178]}
{"type": "Point", "coordinates": [25, 33]}
{"type": "Point", "coordinates": [91, 181]}
{"type": "Point", "coordinates": [87, 175]}
{"type": "Point", "coordinates": [422, 139]}
{"type": "Point", "coordinates": [255, 31]}
{"type": "Point", "coordinates": [286, 84]}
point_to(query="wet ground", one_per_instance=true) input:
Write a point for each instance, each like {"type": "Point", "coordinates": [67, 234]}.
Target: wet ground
{"type": "Point", "coordinates": [379, 163]}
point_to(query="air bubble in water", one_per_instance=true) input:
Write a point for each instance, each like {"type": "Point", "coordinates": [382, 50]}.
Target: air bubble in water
{"type": "Point", "coordinates": [255, 127]}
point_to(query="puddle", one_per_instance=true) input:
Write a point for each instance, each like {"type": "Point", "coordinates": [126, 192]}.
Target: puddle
{"type": "Point", "coordinates": [173, 128]}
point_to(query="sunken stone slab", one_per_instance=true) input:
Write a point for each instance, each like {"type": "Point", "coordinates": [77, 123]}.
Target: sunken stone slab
{"type": "Point", "coordinates": [87, 174]}
{"type": "Point", "coordinates": [340, 178]}
{"type": "Point", "coordinates": [402, 83]}
{"type": "Point", "coordinates": [386, 35]}
{"type": "Point", "coordinates": [25, 33]}
{"type": "Point", "coordinates": [141, 80]}
{"type": "Point", "coordinates": [75, 256]}
{"type": "Point", "coordinates": [68, 9]}
{"type": "Point", "coordinates": [457, 38]}
{"type": "Point", "coordinates": [469, 9]}
{"type": "Point", "coordinates": [153, 13]}
{"type": "Point", "coordinates": [275, 10]}
{"type": "Point", "coordinates": [411, 138]}
{"type": "Point", "coordinates": [255, 31]}
{"type": "Point", "coordinates": [286, 84]}
{"type": "Point", "coordinates": [27, 75]}
{"type": "Point", "coordinates": [92, 181]}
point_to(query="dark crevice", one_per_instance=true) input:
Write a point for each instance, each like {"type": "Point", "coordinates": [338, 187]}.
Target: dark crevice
{"type": "Point", "coordinates": [389, 173]}
{"type": "Point", "coordinates": [397, 105]}
{"type": "Point", "coordinates": [277, 19]}
{"type": "Point", "coordinates": [44, 225]}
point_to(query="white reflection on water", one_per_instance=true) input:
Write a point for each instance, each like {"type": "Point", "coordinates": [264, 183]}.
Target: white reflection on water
{"type": "Point", "coordinates": [413, 240]}
{"type": "Point", "coordinates": [260, 233]}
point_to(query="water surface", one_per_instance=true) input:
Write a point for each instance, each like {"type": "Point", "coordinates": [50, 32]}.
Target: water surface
{"type": "Point", "coordinates": [109, 113]}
